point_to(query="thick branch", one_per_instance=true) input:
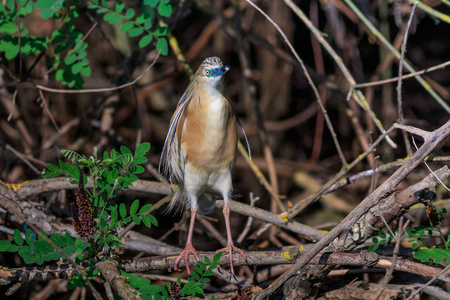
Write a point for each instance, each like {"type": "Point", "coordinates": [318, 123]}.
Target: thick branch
{"type": "Point", "coordinates": [432, 139]}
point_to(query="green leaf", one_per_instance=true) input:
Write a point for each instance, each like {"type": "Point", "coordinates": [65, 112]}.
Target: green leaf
{"type": "Point", "coordinates": [195, 276]}
{"type": "Point", "coordinates": [130, 14]}
{"type": "Point", "coordinates": [52, 167]}
{"type": "Point", "coordinates": [85, 71]}
{"type": "Point", "coordinates": [18, 237]}
{"type": "Point", "coordinates": [76, 68]}
{"type": "Point", "coordinates": [114, 216]}
{"type": "Point", "coordinates": [162, 46]}
{"type": "Point", "coordinates": [217, 257]}
{"type": "Point", "coordinates": [198, 270]}
{"type": "Point", "coordinates": [136, 220]}
{"type": "Point", "coordinates": [122, 210]}
{"type": "Point", "coordinates": [207, 260]}
{"type": "Point", "coordinates": [70, 59]}
{"type": "Point", "coordinates": [136, 169]}
{"type": "Point", "coordinates": [142, 149]}
{"type": "Point", "coordinates": [134, 207]}
{"type": "Point", "coordinates": [202, 265]}
{"type": "Point", "coordinates": [124, 150]}
{"type": "Point", "coordinates": [152, 3]}
{"type": "Point", "coordinates": [164, 9]}
{"type": "Point", "coordinates": [146, 220]}
{"type": "Point", "coordinates": [8, 28]}
{"type": "Point", "coordinates": [152, 220]}
{"type": "Point", "coordinates": [161, 31]}
{"type": "Point", "coordinates": [135, 32]}
{"type": "Point", "coordinates": [145, 40]}
{"type": "Point", "coordinates": [5, 246]}
{"type": "Point", "coordinates": [139, 160]}
{"type": "Point", "coordinates": [119, 7]}
{"type": "Point", "coordinates": [112, 18]}
{"type": "Point", "coordinates": [146, 208]}
{"type": "Point", "coordinates": [126, 26]}
{"type": "Point", "coordinates": [12, 52]}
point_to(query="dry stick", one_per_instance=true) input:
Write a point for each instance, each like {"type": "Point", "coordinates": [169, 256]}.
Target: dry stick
{"type": "Point", "coordinates": [380, 169]}
{"type": "Point", "coordinates": [44, 102]}
{"type": "Point", "coordinates": [249, 92]}
{"type": "Point", "coordinates": [431, 140]}
{"type": "Point", "coordinates": [408, 66]}
{"type": "Point", "coordinates": [361, 100]}
{"type": "Point", "coordinates": [262, 179]}
{"type": "Point", "coordinates": [22, 158]}
{"type": "Point", "coordinates": [388, 276]}
{"type": "Point", "coordinates": [411, 75]}
{"type": "Point", "coordinates": [64, 129]}
{"type": "Point", "coordinates": [255, 258]}
{"type": "Point", "coordinates": [433, 12]}
{"type": "Point", "coordinates": [299, 207]}
{"type": "Point", "coordinates": [109, 270]}
{"type": "Point", "coordinates": [399, 83]}
{"type": "Point", "coordinates": [318, 61]}
{"type": "Point", "coordinates": [99, 90]}
{"type": "Point", "coordinates": [248, 225]}
{"type": "Point", "coordinates": [428, 283]}
{"type": "Point", "coordinates": [310, 82]}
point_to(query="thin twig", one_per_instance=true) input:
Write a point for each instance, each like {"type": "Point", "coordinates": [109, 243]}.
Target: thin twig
{"type": "Point", "coordinates": [399, 82]}
{"type": "Point", "coordinates": [432, 140]}
{"type": "Point", "coordinates": [310, 82]}
{"type": "Point", "coordinates": [47, 110]}
{"type": "Point", "coordinates": [428, 283]}
{"type": "Point", "coordinates": [99, 90]}
{"type": "Point", "coordinates": [409, 76]}
{"type": "Point", "coordinates": [389, 46]}
{"type": "Point", "coordinates": [248, 225]}
{"type": "Point", "coordinates": [361, 100]}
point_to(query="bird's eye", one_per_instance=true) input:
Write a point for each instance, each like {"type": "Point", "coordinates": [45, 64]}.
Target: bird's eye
{"type": "Point", "coordinates": [207, 72]}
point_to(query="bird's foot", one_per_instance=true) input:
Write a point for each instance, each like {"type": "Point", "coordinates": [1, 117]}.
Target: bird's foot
{"type": "Point", "coordinates": [229, 248]}
{"type": "Point", "coordinates": [188, 249]}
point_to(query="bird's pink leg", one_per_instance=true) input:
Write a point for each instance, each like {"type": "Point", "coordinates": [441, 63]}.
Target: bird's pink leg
{"type": "Point", "coordinates": [189, 248]}
{"type": "Point", "coordinates": [230, 245]}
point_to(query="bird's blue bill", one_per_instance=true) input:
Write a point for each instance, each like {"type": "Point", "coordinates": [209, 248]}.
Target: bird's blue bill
{"type": "Point", "coordinates": [216, 72]}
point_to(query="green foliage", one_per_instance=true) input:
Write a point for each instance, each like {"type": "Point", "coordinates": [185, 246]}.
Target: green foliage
{"type": "Point", "coordinates": [38, 250]}
{"type": "Point", "coordinates": [416, 236]}
{"type": "Point", "coordinates": [145, 288]}
{"type": "Point", "coordinates": [65, 48]}
{"type": "Point", "coordinates": [435, 255]}
{"type": "Point", "coordinates": [116, 171]}
{"type": "Point", "coordinates": [381, 240]}
{"type": "Point", "coordinates": [195, 285]}
{"type": "Point", "coordinates": [200, 275]}
{"type": "Point", "coordinates": [138, 24]}
{"type": "Point", "coordinates": [429, 255]}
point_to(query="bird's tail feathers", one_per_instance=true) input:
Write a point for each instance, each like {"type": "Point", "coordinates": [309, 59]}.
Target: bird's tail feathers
{"type": "Point", "coordinates": [178, 203]}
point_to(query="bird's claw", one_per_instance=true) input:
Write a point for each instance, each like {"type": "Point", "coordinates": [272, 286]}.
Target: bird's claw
{"type": "Point", "coordinates": [188, 249]}
{"type": "Point", "coordinates": [229, 248]}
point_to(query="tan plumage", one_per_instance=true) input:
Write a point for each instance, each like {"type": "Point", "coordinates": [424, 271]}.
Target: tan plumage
{"type": "Point", "coordinates": [200, 148]}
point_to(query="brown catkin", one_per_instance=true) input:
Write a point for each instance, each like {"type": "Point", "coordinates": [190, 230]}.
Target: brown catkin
{"type": "Point", "coordinates": [83, 217]}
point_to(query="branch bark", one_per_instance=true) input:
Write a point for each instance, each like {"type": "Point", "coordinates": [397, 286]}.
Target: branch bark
{"type": "Point", "coordinates": [431, 140]}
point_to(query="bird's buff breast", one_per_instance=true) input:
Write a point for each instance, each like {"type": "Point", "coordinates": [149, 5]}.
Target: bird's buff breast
{"type": "Point", "coordinates": [209, 133]}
